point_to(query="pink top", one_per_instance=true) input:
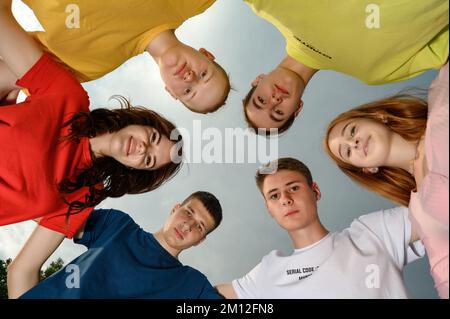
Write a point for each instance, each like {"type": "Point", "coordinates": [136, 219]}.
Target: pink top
{"type": "Point", "coordinates": [429, 206]}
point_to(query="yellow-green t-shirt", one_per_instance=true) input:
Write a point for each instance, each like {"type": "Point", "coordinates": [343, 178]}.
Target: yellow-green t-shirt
{"type": "Point", "coordinates": [110, 31]}
{"type": "Point", "coordinates": [376, 41]}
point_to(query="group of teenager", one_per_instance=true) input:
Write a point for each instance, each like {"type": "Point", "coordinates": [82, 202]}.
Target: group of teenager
{"type": "Point", "coordinates": [60, 159]}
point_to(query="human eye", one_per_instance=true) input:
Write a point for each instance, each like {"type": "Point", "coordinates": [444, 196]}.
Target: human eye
{"type": "Point", "coordinates": [147, 161]}
{"type": "Point", "coordinates": [153, 138]}
{"type": "Point", "coordinates": [260, 100]}
{"type": "Point", "coordinates": [203, 74]}
{"type": "Point", "coordinates": [352, 131]}
{"type": "Point", "coordinates": [295, 188]}
{"type": "Point", "coordinates": [274, 196]}
{"type": "Point", "coordinates": [187, 91]}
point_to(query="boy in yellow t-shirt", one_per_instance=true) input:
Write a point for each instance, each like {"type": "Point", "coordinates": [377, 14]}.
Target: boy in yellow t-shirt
{"type": "Point", "coordinates": [381, 42]}
{"type": "Point", "coordinates": [94, 37]}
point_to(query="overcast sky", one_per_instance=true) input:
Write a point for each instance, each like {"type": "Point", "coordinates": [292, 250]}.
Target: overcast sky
{"type": "Point", "coordinates": [246, 46]}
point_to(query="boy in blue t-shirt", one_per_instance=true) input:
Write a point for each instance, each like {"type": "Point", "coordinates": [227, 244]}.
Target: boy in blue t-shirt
{"type": "Point", "coordinates": [124, 261]}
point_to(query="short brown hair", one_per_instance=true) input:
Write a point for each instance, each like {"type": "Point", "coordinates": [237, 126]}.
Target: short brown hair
{"type": "Point", "coordinates": [264, 131]}
{"type": "Point", "coordinates": [211, 204]}
{"type": "Point", "coordinates": [285, 163]}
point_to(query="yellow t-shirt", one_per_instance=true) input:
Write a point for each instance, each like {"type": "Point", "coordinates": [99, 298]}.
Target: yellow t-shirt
{"type": "Point", "coordinates": [110, 31]}
{"type": "Point", "coordinates": [377, 42]}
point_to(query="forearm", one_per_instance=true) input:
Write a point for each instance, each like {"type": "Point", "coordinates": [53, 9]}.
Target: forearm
{"type": "Point", "coordinates": [19, 51]}
{"type": "Point", "coordinates": [227, 291]}
{"type": "Point", "coordinates": [20, 280]}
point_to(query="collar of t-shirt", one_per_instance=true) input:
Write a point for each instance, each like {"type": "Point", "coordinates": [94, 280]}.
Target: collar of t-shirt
{"type": "Point", "coordinates": [308, 259]}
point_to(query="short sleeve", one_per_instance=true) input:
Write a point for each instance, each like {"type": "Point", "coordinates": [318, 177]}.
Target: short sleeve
{"type": "Point", "coordinates": [68, 226]}
{"type": "Point", "coordinates": [209, 292]}
{"type": "Point", "coordinates": [247, 286]}
{"type": "Point", "coordinates": [48, 77]}
{"type": "Point", "coordinates": [102, 221]}
{"type": "Point", "coordinates": [393, 229]}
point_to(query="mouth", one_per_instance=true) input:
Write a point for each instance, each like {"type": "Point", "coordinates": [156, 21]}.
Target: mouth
{"type": "Point", "coordinates": [281, 89]}
{"type": "Point", "coordinates": [292, 213]}
{"type": "Point", "coordinates": [181, 69]}
{"type": "Point", "coordinates": [366, 146]}
{"type": "Point", "coordinates": [178, 233]}
{"type": "Point", "coordinates": [130, 146]}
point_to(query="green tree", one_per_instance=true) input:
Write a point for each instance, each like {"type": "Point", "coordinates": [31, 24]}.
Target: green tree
{"type": "Point", "coordinates": [3, 273]}
{"type": "Point", "coordinates": [50, 270]}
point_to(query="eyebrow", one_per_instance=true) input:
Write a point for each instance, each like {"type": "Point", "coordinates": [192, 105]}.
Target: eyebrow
{"type": "Point", "coordinates": [260, 108]}
{"type": "Point", "coordinates": [193, 212]}
{"type": "Point", "coordinates": [342, 134]}
{"type": "Point", "coordinates": [287, 184]}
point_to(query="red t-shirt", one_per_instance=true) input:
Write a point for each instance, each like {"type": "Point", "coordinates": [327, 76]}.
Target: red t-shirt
{"type": "Point", "coordinates": [33, 157]}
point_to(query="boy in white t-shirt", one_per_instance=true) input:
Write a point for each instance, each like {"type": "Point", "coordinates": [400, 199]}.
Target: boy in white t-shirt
{"type": "Point", "coordinates": [365, 260]}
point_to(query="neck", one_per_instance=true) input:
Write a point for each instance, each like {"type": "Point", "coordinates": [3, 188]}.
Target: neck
{"type": "Point", "coordinates": [100, 145]}
{"type": "Point", "coordinates": [161, 44]}
{"type": "Point", "coordinates": [402, 153]}
{"type": "Point", "coordinates": [304, 72]}
{"type": "Point", "coordinates": [307, 236]}
{"type": "Point", "coordinates": [160, 239]}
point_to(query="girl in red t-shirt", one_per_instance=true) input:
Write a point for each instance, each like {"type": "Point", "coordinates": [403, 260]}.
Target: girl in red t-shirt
{"type": "Point", "coordinates": [59, 160]}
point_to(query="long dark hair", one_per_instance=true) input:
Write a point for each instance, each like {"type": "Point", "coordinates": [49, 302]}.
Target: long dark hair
{"type": "Point", "coordinates": [106, 177]}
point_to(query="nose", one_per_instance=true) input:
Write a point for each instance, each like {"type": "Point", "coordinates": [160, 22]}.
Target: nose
{"type": "Point", "coordinates": [286, 200]}
{"type": "Point", "coordinates": [356, 143]}
{"type": "Point", "coordinates": [189, 76]}
{"type": "Point", "coordinates": [186, 227]}
{"type": "Point", "coordinates": [276, 98]}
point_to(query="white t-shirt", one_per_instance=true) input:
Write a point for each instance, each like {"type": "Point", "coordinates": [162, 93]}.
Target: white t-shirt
{"type": "Point", "coordinates": [365, 260]}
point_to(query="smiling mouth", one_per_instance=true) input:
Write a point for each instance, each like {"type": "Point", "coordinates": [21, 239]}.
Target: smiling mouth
{"type": "Point", "coordinates": [181, 69]}
{"type": "Point", "coordinates": [130, 146]}
{"type": "Point", "coordinates": [366, 146]}
{"type": "Point", "coordinates": [282, 89]}
{"type": "Point", "coordinates": [292, 213]}
{"type": "Point", "coordinates": [179, 233]}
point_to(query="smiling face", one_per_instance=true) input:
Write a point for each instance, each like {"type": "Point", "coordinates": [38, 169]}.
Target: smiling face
{"type": "Point", "coordinates": [140, 147]}
{"type": "Point", "coordinates": [192, 77]}
{"type": "Point", "coordinates": [360, 142]}
{"type": "Point", "coordinates": [290, 200]}
{"type": "Point", "coordinates": [187, 225]}
{"type": "Point", "coordinates": [277, 97]}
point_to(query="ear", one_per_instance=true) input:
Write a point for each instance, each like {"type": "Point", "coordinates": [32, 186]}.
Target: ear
{"type": "Point", "coordinates": [370, 170]}
{"type": "Point", "coordinates": [170, 92]}
{"type": "Point", "coordinates": [316, 191]}
{"type": "Point", "coordinates": [207, 54]}
{"type": "Point", "coordinates": [300, 107]}
{"type": "Point", "coordinates": [258, 79]}
{"type": "Point", "coordinates": [175, 208]}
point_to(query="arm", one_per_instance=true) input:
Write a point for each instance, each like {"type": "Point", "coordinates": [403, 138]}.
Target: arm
{"type": "Point", "coordinates": [23, 272]}
{"type": "Point", "coordinates": [227, 291]}
{"type": "Point", "coordinates": [17, 49]}
{"type": "Point", "coordinates": [8, 90]}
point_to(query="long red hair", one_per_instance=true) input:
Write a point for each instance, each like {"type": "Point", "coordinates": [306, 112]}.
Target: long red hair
{"type": "Point", "coordinates": [405, 115]}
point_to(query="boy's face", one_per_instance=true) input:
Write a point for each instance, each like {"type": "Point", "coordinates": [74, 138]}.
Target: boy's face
{"type": "Point", "coordinates": [290, 200]}
{"type": "Point", "coordinates": [187, 225]}
{"type": "Point", "coordinates": [276, 99]}
{"type": "Point", "coordinates": [192, 77]}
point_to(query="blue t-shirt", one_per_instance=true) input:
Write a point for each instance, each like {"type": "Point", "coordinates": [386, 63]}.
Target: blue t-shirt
{"type": "Point", "coordinates": [123, 261]}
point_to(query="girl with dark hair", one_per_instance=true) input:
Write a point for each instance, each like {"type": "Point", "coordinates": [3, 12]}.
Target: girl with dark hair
{"type": "Point", "coordinates": [398, 148]}
{"type": "Point", "coordinates": [58, 159]}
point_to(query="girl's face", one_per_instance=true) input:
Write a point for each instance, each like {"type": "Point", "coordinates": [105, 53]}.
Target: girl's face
{"type": "Point", "coordinates": [361, 142]}
{"type": "Point", "coordinates": [140, 147]}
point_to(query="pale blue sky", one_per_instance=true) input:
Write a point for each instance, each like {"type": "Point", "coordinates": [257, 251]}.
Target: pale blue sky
{"type": "Point", "coordinates": [245, 45]}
